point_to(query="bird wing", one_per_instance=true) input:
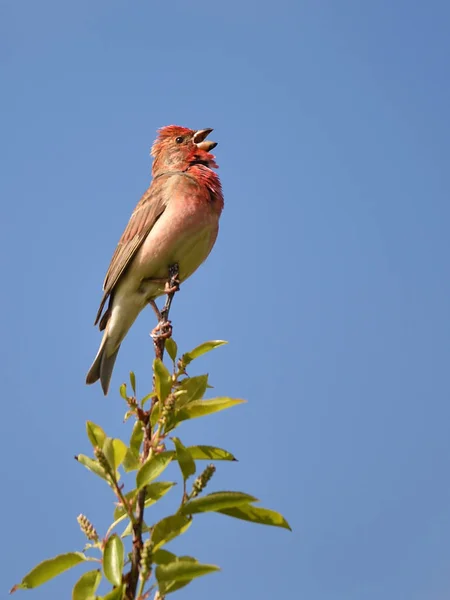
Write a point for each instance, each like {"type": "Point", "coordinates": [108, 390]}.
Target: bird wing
{"type": "Point", "coordinates": [148, 210]}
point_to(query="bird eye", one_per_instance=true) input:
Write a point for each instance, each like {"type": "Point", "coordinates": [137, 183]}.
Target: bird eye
{"type": "Point", "coordinates": [179, 140]}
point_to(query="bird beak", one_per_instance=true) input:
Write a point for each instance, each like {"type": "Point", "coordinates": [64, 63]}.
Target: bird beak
{"type": "Point", "coordinates": [200, 141]}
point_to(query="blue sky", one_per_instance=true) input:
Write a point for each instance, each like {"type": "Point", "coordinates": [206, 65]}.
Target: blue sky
{"type": "Point", "coordinates": [329, 278]}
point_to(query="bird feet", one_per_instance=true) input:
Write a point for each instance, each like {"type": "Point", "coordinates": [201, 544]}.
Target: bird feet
{"type": "Point", "coordinates": [173, 283]}
{"type": "Point", "coordinates": [162, 331]}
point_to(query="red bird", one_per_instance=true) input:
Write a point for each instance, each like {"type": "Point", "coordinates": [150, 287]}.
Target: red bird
{"type": "Point", "coordinates": [175, 222]}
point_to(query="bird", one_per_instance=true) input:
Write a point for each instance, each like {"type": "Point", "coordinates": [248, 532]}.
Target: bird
{"type": "Point", "coordinates": [175, 222]}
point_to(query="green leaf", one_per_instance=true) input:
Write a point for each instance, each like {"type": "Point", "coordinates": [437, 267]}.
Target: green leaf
{"type": "Point", "coordinates": [184, 458]}
{"type": "Point", "coordinates": [147, 397]}
{"type": "Point", "coordinates": [131, 462]}
{"type": "Point", "coordinates": [163, 379]}
{"type": "Point", "coordinates": [119, 512]}
{"type": "Point", "coordinates": [115, 451]}
{"type": "Point", "coordinates": [133, 382]}
{"type": "Point", "coordinates": [163, 557]}
{"type": "Point", "coordinates": [156, 490]}
{"type": "Point", "coordinates": [172, 348]}
{"type": "Point", "coordinates": [201, 408]}
{"type": "Point", "coordinates": [92, 465]}
{"type": "Point", "coordinates": [195, 388]}
{"type": "Point", "coordinates": [173, 586]}
{"type": "Point", "coordinates": [129, 529]}
{"type": "Point", "coordinates": [169, 528]}
{"type": "Point", "coordinates": [263, 516]}
{"type": "Point", "coordinates": [123, 391]}
{"type": "Point", "coordinates": [151, 469]}
{"type": "Point", "coordinates": [153, 492]}
{"type": "Point", "coordinates": [137, 435]}
{"type": "Point", "coordinates": [204, 453]}
{"type": "Point", "coordinates": [108, 451]}
{"type": "Point", "coordinates": [95, 433]}
{"type": "Point", "coordinates": [116, 594]}
{"type": "Point", "coordinates": [48, 569]}
{"type": "Point", "coordinates": [215, 502]}
{"type": "Point", "coordinates": [120, 451]}
{"type": "Point", "coordinates": [154, 416]}
{"type": "Point", "coordinates": [113, 557]}
{"type": "Point", "coordinates": [86, 586]}
{"type": "Point", "coordinates": [181, 570]}
{"type": "Point", "coordinates": [209, 453]}
{"type": "Point", "coordinates": [188, 357]}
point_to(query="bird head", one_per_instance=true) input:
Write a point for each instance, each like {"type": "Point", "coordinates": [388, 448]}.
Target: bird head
{"type": "Point", "coordinates": [177, 148]}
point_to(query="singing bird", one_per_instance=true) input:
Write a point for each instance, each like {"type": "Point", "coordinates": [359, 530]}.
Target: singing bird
{"type": "Point", "coordinates": [175, 222]}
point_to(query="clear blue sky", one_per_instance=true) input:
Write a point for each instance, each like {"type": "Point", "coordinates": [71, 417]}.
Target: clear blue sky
{"type": "Point", "coordinates": [330, 278]}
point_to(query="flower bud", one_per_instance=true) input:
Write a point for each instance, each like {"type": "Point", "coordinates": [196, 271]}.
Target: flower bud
{"type": "Point", "coordinates": [87, 528]}
{"type": "Point", "coordinates": [202, 481]}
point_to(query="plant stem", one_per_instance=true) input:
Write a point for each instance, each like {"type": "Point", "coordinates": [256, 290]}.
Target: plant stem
{"type": "Point", "coordinates": [141, 588]}
{"type": "Point", "coordinates": [123, 501]}
{"type": "Point", "coordinates": [159, 341]}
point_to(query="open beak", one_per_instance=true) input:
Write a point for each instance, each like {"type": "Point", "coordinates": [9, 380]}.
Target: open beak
{"type": "Point", "coordinates": [201, 142]}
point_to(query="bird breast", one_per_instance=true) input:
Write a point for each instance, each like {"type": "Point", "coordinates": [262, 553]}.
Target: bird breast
{"type": "Point", "coordinates": [184, 234]}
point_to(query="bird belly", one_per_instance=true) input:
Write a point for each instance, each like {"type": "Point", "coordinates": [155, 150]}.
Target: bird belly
{"type": "Point", "coordinates": [183, 237]}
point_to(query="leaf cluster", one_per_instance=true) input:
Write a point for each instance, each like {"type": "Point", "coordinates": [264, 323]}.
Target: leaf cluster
{"type": "Point", "coordinates": [146, 566]}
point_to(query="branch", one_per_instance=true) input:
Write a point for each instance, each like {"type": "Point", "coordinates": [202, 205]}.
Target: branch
{"type": "Point", "coordinates": [160, 334]}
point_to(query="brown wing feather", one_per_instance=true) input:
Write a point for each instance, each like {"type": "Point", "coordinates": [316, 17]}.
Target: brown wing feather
{"type": "Point", "coordinates": [148, 210]}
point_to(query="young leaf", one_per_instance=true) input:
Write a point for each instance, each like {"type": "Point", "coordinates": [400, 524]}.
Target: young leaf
{"type": "Point", "coordinates": [129, 529]}
{"type": "Point", "coordinates": [184, 458]}
{"type": "Point", "coordinates": [172, 348]}
{"type": "Point", "coordinates": [163, 379]}
{"type": "Point", "coordinates": [154, 415]}
{"type": "Point", "coordinates": [151, 469]}
{"type": "Point", "coordinates": [95, 433]}
{"type": "Point", "coordinates": [201, 408]}
{"type": "Point", "coordinates": [181, 570]}
{"type": "Point", "coordinates": [156, 490]}
{"type": "Point", "coordinates": [216, 501]}
{"type": "Point", "coordinates": [147, 397]}
{"type": "Point", "coordinates": [85, 587]}
{"type": "Point", "coordinates": [120, 451]}
{"type": "Point", "coordinates": [137, 435]}
{"type": "Point", "coordinates": [48, 569]}
{"type": "Point", "coordinates": [163, 557]}
{"type": "Point", "coordinates": [209, 453]}
{"type": "Point", "coordinates": [108, 451]}
{"type": "Point", "coordinates": [117, 593]}
{"type": "Point", "coordinates": [131, 462]}
{"type": "Point", "coordinates": [255, 514]}
{"type": "Point", "coordinates": [168, 587]}
{"type": "Point", "coordinates": [115, 451]}
{"type": "Point", "coordinates": [123, 391]}
{"type": "Point", "coordinates": [113, 557]}
{"type": "Point", "coordinates": [188, 357]}
{"type": "Point", "coordinates": [153, 492]}
{"type": "Point", "coordinates": [92, 465]}
{"type": "Point", "coordinates": [204, 453]}
{"type": "Point", "coordinates": [195, 387]}
{"type": "Point", "coordinates": [169, 528]}
{"type": "Point", "coordinates": [133, 382]}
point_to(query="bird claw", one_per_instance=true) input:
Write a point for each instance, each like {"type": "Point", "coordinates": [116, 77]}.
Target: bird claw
{"type": "Point", "coordinates": [162, 331]}
{"type": "Point", "coordinates": [172, 286]}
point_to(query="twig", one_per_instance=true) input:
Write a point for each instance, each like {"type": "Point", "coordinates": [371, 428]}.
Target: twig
{"type": "Point", "coordinates": [123, 500]}
{"type": "Point", "coordinates": [162, 332]}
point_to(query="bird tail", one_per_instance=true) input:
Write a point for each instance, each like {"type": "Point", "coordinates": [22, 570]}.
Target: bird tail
{"type": "Point", "coordinates": [103, 365]}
